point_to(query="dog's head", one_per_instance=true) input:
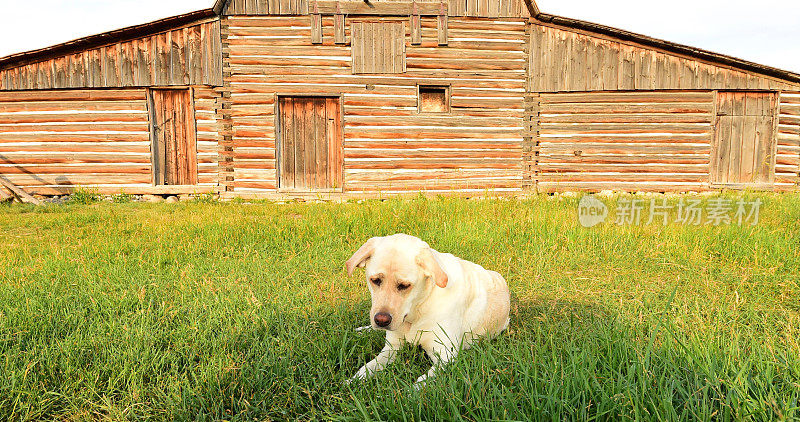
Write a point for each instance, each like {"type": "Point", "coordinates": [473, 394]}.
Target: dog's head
{"type": "Point", "coordinates": [401, 273]}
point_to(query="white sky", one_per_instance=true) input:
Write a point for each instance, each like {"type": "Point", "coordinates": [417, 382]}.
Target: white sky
{"type": "Point", "coordinates": [764, 31]}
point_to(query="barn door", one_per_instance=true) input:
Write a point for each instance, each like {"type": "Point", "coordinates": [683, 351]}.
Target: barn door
{"type": "Point", "coordinates": [743, 151]}
{"type": "Point", "coordinates": [310, 155]}
{"type": "Point", "coordinates": [173, 135]}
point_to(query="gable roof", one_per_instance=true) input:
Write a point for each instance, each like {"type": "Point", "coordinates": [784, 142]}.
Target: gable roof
{"type": "Point", "coordinates": [219, 6]}
{"type": "Point", "coordinates": [99, 40]}
{"type": "Point", "coordinates": [685, 50]}
{"type": "Point", "coordinates": [154, 27]}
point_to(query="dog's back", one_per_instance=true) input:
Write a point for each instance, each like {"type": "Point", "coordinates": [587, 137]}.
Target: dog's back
{"type": "Point", "coordinates": [489, 307]}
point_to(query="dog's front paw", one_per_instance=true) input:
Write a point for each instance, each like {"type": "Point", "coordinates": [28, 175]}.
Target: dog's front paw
{"type": "Point", "coordinates": [360, 375]}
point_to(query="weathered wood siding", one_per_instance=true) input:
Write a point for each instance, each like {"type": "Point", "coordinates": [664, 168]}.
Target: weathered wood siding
{"type": "Point", "coordinates": [173, 136]}
{"type": "Point", "coordinates": [54, 141]}
{"type": "Point", "coordinates": [378, 47]}
{"type": "Point", "coordinates": [389, 146]}
{"type": "Point", "coordinates": [787, 164]}
{"type": "Point", "coordinates": [310, 143]}
{"type": "Point", "coordinates": [648, 141]}
{"type": "Point", "coordinates": [206, 113]}
{"type": "Point", "coordinates": [564, 60]}
{"type": "Point", "coordinates": [469, 8]}
{"type": "Point", "coordinates": [185, 56]}
{"type": "Point", "coordinates": [744, 144]}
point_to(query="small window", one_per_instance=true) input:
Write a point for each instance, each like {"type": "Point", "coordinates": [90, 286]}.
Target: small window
{"type": "Point", "coordinates": [434, 99]}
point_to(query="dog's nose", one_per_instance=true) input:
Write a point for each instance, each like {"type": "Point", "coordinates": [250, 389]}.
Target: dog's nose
{"type": "Point", "coordinates": [383, 319]}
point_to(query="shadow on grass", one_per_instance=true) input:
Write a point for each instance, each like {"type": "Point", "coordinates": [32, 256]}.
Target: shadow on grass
{"type": "Point", "coordinates": [559, 360]}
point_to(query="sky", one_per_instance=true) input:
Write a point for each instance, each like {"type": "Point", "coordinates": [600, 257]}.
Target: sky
{"type": "Point", "coordinates": [766, 31]}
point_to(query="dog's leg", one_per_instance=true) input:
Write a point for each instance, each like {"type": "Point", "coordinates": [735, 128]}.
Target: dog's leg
{"type": "Point", "coordinates": [384, 358]}
{"type": "Point", "coordinates": [440, 357]}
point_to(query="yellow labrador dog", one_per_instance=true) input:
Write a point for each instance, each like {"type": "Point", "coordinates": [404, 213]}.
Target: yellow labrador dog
{"type": "Point", "coordinates": [428, 298]}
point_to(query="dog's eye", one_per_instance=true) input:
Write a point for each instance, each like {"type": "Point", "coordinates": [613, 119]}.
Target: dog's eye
{"type": "Point", "coordinates": [403, 286]}
{"type": "Point", "coordinates": [377, 281]}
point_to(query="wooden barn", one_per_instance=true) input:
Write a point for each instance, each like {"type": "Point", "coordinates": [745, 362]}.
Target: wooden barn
{"type": "Point", "coordinates": [274, 98]}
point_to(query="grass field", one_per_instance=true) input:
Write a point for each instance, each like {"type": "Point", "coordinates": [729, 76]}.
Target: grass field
{"type": "Point", "coordinates": [243, 312]}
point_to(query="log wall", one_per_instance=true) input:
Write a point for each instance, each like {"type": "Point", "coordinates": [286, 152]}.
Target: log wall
{"type": "Point", "coordinates": [787, 165]}
{"type": "Point", "coordinates": [655, 141]}
{"type": "Point", "coordinates": [184, 56]}
{"type": "Point", "coordinates": [206, 109]}
{"type": "Point", "coordinates": [565, 59]}
{"type": "Point", "coordinates": [389, 146]}
{"type": "Point", "coordinates": [54, 141]}
{"type": "Point", "coordinates": [468, 8]}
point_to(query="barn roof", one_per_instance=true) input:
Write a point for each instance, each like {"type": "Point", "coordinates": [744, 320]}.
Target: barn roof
{"type": "Point", "coordinates": [99, 40]}
{"type": "Point", "coordinates": [150, 28]}
{"type": "Point", "coordinates": [219, 6]}
{"type": "Point", "coordinates": [698, 53]}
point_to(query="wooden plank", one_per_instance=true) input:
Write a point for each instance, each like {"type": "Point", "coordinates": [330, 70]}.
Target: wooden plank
{"type": "Point", "coordinates": [299, 144]}
{"type": "Point", "coordinates": [749, 144]}
{"type": "Point", "coordinates": [321, 144]}
{"type": "Point", "coordinates": [316, 24]}
{"type": "Point", "coordinates": [156, 139]}
{"type": "Point", "coordinates": [172, 134]}
{"type": "Point", "coordinates": [290, 164]}
{"type": "Point", "coordinates": [399, 48]}
{"type": "Point", "coordinates": [309, 140]}
{"type": "Point", "coordinates": [95, 67]}
{"type": "Point", "coordinates": [471, 8]}
{"type": "Point", "coordinates": [5, 196]}
{"type": "Point", "coordinates": [623, 97]}
{"type": "Point", "coordinates": [191, 138]}
{"type": "Point", "coordinates": [442, 24]}
{"type": "Point", "coordinates": [194, 54]}
{"type": "Point", "coordinates": [381, 53]}
{"type": "Point", "coordinates": [335, 109]}
{"type": "Point", "coordinates": [19, 192]}
{"type": "Point", "coordinates": [393, 8]}
{"type": "Point", "coordinates": [339, 29]}
{"type": "Point", "coordinates": [161, 60]}
{"type": "Point", "coordinates": [735, 146]}
{"type": "Point", "coordinates": [126, 64]}
{"type": "Point", "coordinates": [724, 132]}
{"type": "Point", "coordinates": [177, 51]}
{"type": "Point", "coordinates": [179, 140]}
{"type": "Point", "coordinates": [355, 46]}
{"type": "Point", "coordinates": [62, 97]}
{"type": "Point", "coordinates": [416, 25]}
{"type": "Point", "coordinates": [769, 136]}
{"type": "Point", "coordinates": [143, 73]}
{"type": "Point", "coordinates": [111, 66]}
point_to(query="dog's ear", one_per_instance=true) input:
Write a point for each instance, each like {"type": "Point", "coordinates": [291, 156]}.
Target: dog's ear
{"type": "Point", "coordinates": [431, 266]}
{"type": "Point", "coordinates": [359, 259]}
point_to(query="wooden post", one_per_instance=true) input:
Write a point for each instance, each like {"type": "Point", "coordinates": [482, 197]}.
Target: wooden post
{"type": "Point", "coordinates": [224, 106]}
{"type": "Point", "coordinates": [530, 147]}
{"type": "Point", "coordinates": [416, 25]}
{"type": "Point", "coordinates": [339, 36]}
{"type": "Point", "coordinates": [316, 25]}
{"type": "Point", "coordinates": [442, 24]}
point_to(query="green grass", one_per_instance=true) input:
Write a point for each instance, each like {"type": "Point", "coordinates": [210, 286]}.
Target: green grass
{"type": "Point", "coordinates": [202, 310]}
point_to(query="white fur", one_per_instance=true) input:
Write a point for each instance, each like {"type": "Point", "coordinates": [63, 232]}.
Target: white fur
{"type": "Point", "coordinates": [473, 304]}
